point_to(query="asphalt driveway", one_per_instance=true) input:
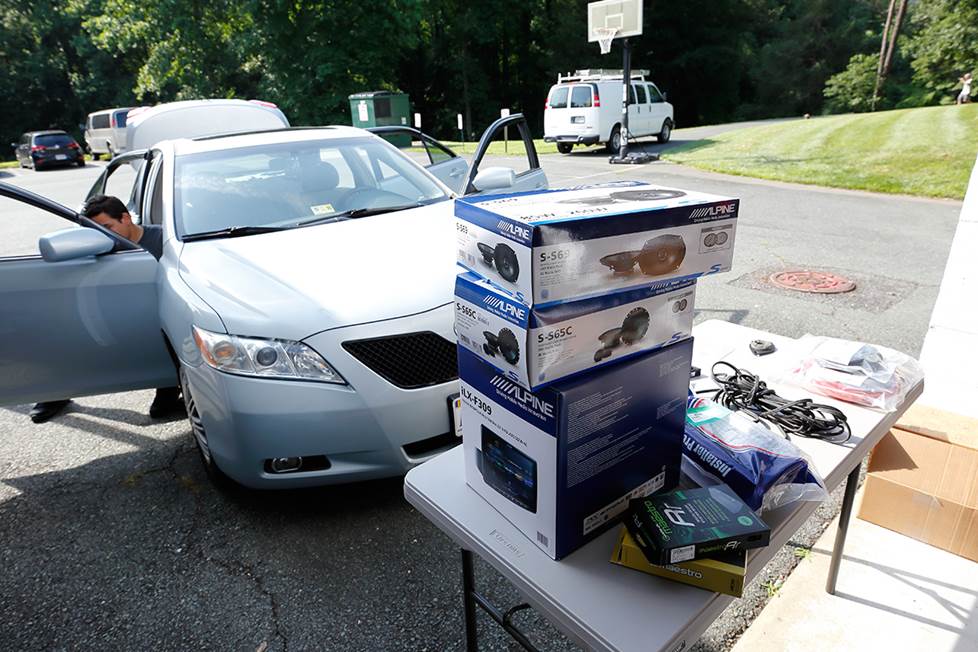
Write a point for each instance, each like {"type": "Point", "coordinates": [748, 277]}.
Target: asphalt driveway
{"type": "Point", "coordinates": [114, 539]}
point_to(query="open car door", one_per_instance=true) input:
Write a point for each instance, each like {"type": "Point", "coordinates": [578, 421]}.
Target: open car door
{"type": "Point", "coordinates": [446, 166]}
{"type": "Point", "coordinates": [79, 313]}
{"type": "Point", "coordinates": [123, 177]}
{"type": "Point", "coordinates": [528, 174]}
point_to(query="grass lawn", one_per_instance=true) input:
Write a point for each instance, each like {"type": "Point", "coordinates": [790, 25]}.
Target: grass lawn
{"type": "Point", "coordinates": [928, 151]}
{"type": "Point", "coordinates": [8, 164]}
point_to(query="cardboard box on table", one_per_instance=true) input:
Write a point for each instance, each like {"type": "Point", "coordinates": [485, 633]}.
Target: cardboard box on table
{"type": "Point", "coordinates": [562, 463]}
{"type": "Point", "coordinates": [923, 480]}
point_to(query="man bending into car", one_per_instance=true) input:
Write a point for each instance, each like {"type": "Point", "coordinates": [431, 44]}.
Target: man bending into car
{"type": "Point", "coordinates": [112, 214]}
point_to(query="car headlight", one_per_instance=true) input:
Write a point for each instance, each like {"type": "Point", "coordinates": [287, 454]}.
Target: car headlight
{"type": "Point", "coordinates": [253, 356]}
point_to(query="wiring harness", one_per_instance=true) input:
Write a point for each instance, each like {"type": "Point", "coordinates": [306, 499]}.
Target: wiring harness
{"type": "Point", "coordinates": [740, 390]}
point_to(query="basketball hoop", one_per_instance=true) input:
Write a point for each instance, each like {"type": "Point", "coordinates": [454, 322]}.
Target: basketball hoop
{"type": "Point", "coordinates": [605, 35]}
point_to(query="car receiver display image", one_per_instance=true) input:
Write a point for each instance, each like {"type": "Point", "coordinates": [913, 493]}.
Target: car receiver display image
{"type": "Point", "coordinates": [507, 470]}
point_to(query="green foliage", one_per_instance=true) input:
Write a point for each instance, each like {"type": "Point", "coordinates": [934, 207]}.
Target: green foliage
{"type": "Point", "coordinates": [852, 89]}
{"type": "Point", "coordinates": [944, 46]}
{"type": "Point", "coordinates": [719, 60]}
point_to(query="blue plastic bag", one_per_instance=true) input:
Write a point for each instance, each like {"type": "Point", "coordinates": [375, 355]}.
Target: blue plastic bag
{"type": "Point", "coordinates": [764, 469]}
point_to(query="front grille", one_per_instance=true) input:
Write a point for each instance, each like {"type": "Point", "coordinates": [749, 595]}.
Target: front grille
{"type": "Point", "coordinates": [409, 361]}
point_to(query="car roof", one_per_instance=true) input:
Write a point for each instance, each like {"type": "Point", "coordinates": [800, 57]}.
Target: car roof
{"type": "Point", "coordinates": [48, 132]}
{"type": "Point", "coordinates": [219, 142]}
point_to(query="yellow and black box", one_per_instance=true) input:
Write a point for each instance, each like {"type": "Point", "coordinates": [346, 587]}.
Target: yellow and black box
{"type": "Point", "coordinates": [723, 575]}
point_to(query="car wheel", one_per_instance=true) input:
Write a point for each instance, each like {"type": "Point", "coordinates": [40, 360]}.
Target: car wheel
{"type": "Point", "coordinates": [614, 142]}
{"type": "Point", "coordinates": [199, 434]}
{"type": "Point", "coordinates": [565, 148]}
{"type": "Point", "coordinates": [666, 132]}
{"type": "Point", "coordinates": [81, 162]}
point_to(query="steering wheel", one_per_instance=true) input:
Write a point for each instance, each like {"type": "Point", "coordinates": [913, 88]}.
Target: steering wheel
{"type": "Point", "coordinates": [372, 198]}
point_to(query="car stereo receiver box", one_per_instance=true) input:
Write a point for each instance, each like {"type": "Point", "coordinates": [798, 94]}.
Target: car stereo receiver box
{"type": "Point", "coordinates": [538, 346]}
{"type": "Point", "coordinates": [724, 573]}
{"type": "Point", "coordinates": [552, 246]}
{"type": "Point", "coordinates": [562, 463]}
{"type": "Point", "coordinates": [687, 524]}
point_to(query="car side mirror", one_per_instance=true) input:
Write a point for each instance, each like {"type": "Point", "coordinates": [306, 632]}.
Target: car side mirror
{"type": "Point", "coordinates": [494, 178]}
{"type": "Point", "coordinates": [665, 96]}
{"type": "Point", "coordinates": [74, 243]}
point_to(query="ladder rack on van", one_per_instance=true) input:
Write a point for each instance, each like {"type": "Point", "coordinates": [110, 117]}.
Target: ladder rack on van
{"type": "Point", "coordinates": [599, 74]}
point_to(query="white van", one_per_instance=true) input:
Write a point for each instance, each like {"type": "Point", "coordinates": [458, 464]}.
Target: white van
{"type": "Point", "coordinates": [585, 108]}
{"type": "Point", "coordinates": [195, 118]}
{"type": "Point", "coordinates": [105, 132]}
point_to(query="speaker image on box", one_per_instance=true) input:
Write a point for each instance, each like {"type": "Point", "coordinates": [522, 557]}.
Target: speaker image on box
{"type": "Point", "coordinates": [505, 344]}
{"type": "Point", "coordinates": [660, 255]}
{"type": "Point", "coordinates": [507, 470]}
{"type": "Point", "coordinates": [503, 258]}
{"type": "Point", "coordinates": [633, 328]}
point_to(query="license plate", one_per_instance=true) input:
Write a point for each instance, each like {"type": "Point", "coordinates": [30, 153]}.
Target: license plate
{"type": "Point", "coordinates": [455, 413]}
{"type": "Point", "coordinates": [60, 157]}
{"type": "Point", "coordinates": [577, 120]}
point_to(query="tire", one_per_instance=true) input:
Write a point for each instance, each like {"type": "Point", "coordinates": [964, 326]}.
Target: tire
{"type": "Point", "coordinates": [666, 132]}
{"type": "Point", "coordinates": [81, 162]}
{"type": "Point", "coordinates": [110, 154]}
{"type": "Point", "coordinates": [614, 141]}
{"type": "Point", "coordinates": [199, 433]}
{"type": "Point", "coordinates": [565, 148]}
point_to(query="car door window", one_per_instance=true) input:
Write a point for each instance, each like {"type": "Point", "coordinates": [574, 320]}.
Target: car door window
{"type": "Point", "coordinates": [21, 225]}
{"type": "Point", "coordinates": [631, 94]}
{"type": "Point", "coordinates": [654, 95]}
{"type": "Point", "coordinates": [641, 94]}
{"type": "Point", "coordinates": [100, 121]}
{"type": "Point", "coordinates": [558, 97]}
{"type": "Point", "coordinates": [152, 212]}
{"type": "Point", "coordinates": [580, 97]}
{"type": "Point", "coordinates": [437, 153]}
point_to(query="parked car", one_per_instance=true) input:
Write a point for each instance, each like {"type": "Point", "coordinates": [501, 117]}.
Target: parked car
{"type": "Point", "coordinates": [305, 294]}
{"type": "Point", "coordinates": [37, 149]}
{"type": "Point", "coordinates": [585, 109]}
{"type": "Point", "coordinates": [105, 132]}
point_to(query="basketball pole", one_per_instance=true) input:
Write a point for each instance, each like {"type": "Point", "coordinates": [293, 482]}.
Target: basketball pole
{"type": "Point", "coordinates": [626, 64]}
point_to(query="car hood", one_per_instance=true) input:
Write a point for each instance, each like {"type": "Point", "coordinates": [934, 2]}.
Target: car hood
{"type": "Point", "coordinates": [291, 284]}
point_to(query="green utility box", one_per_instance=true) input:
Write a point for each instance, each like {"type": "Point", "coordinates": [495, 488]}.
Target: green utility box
{"type": "Point", "coordinates": [382, 108]}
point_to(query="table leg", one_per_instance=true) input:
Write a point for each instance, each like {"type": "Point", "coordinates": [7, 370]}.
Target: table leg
{"type": "Point", "coordinates": [852, 482]}
{"type": "Point", "coordinates": [468, 601]}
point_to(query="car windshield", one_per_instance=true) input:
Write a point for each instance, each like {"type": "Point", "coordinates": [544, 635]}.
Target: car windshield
{"type": "Point", "coordinates": [289, 184]}
{"type": "Point", "coordinates": [53, 140]}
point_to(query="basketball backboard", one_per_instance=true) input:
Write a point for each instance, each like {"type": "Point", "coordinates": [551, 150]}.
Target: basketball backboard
{"type": "Point", "coordinates": [624, 16]}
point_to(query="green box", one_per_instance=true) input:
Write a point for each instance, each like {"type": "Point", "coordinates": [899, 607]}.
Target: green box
{"type": "Point", "coordinates": [688, 524]}
{"type": "Point", "coordinates": [381, 109]}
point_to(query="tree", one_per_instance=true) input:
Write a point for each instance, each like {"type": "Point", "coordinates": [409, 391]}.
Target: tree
{"type": "Point", "coordinates": [853, 88]}
{"type": "Point", "coordinates": [943, 47]}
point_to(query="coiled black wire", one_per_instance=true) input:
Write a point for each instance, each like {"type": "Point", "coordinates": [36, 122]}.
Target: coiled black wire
{"type": "Point", "coordinates": [742, 390]}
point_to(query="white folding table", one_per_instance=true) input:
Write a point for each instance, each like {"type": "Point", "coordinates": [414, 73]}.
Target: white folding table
{"type": "Point", "coordinates": [606, 607]}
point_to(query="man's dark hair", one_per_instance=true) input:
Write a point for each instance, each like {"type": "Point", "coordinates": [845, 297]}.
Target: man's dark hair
{"type": "Point", "coordinates": [113, 206]}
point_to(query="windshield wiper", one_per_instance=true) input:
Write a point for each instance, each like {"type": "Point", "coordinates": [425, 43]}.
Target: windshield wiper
{"type": "Point", "coordinates": [232, 232]}
{"type": "Point", "coordinates": [354, 213]}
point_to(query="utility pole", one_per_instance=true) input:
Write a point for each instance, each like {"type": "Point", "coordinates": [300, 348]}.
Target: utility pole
{"type": "Point", "coordinates": [888, 44]}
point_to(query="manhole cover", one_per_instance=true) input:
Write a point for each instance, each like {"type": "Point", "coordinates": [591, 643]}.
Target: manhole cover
{"type": "Point", "coordinates": [809, 281]}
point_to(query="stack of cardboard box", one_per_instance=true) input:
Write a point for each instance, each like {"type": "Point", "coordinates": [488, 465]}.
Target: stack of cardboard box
{"type": "Point", "coordinates": [574, 325]}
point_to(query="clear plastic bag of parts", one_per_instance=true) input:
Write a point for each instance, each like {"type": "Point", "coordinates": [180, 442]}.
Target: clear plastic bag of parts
{"type": "Point", "coordinates": [854, 372]}
{"type": "Point", "coordinates": [762, 467]}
